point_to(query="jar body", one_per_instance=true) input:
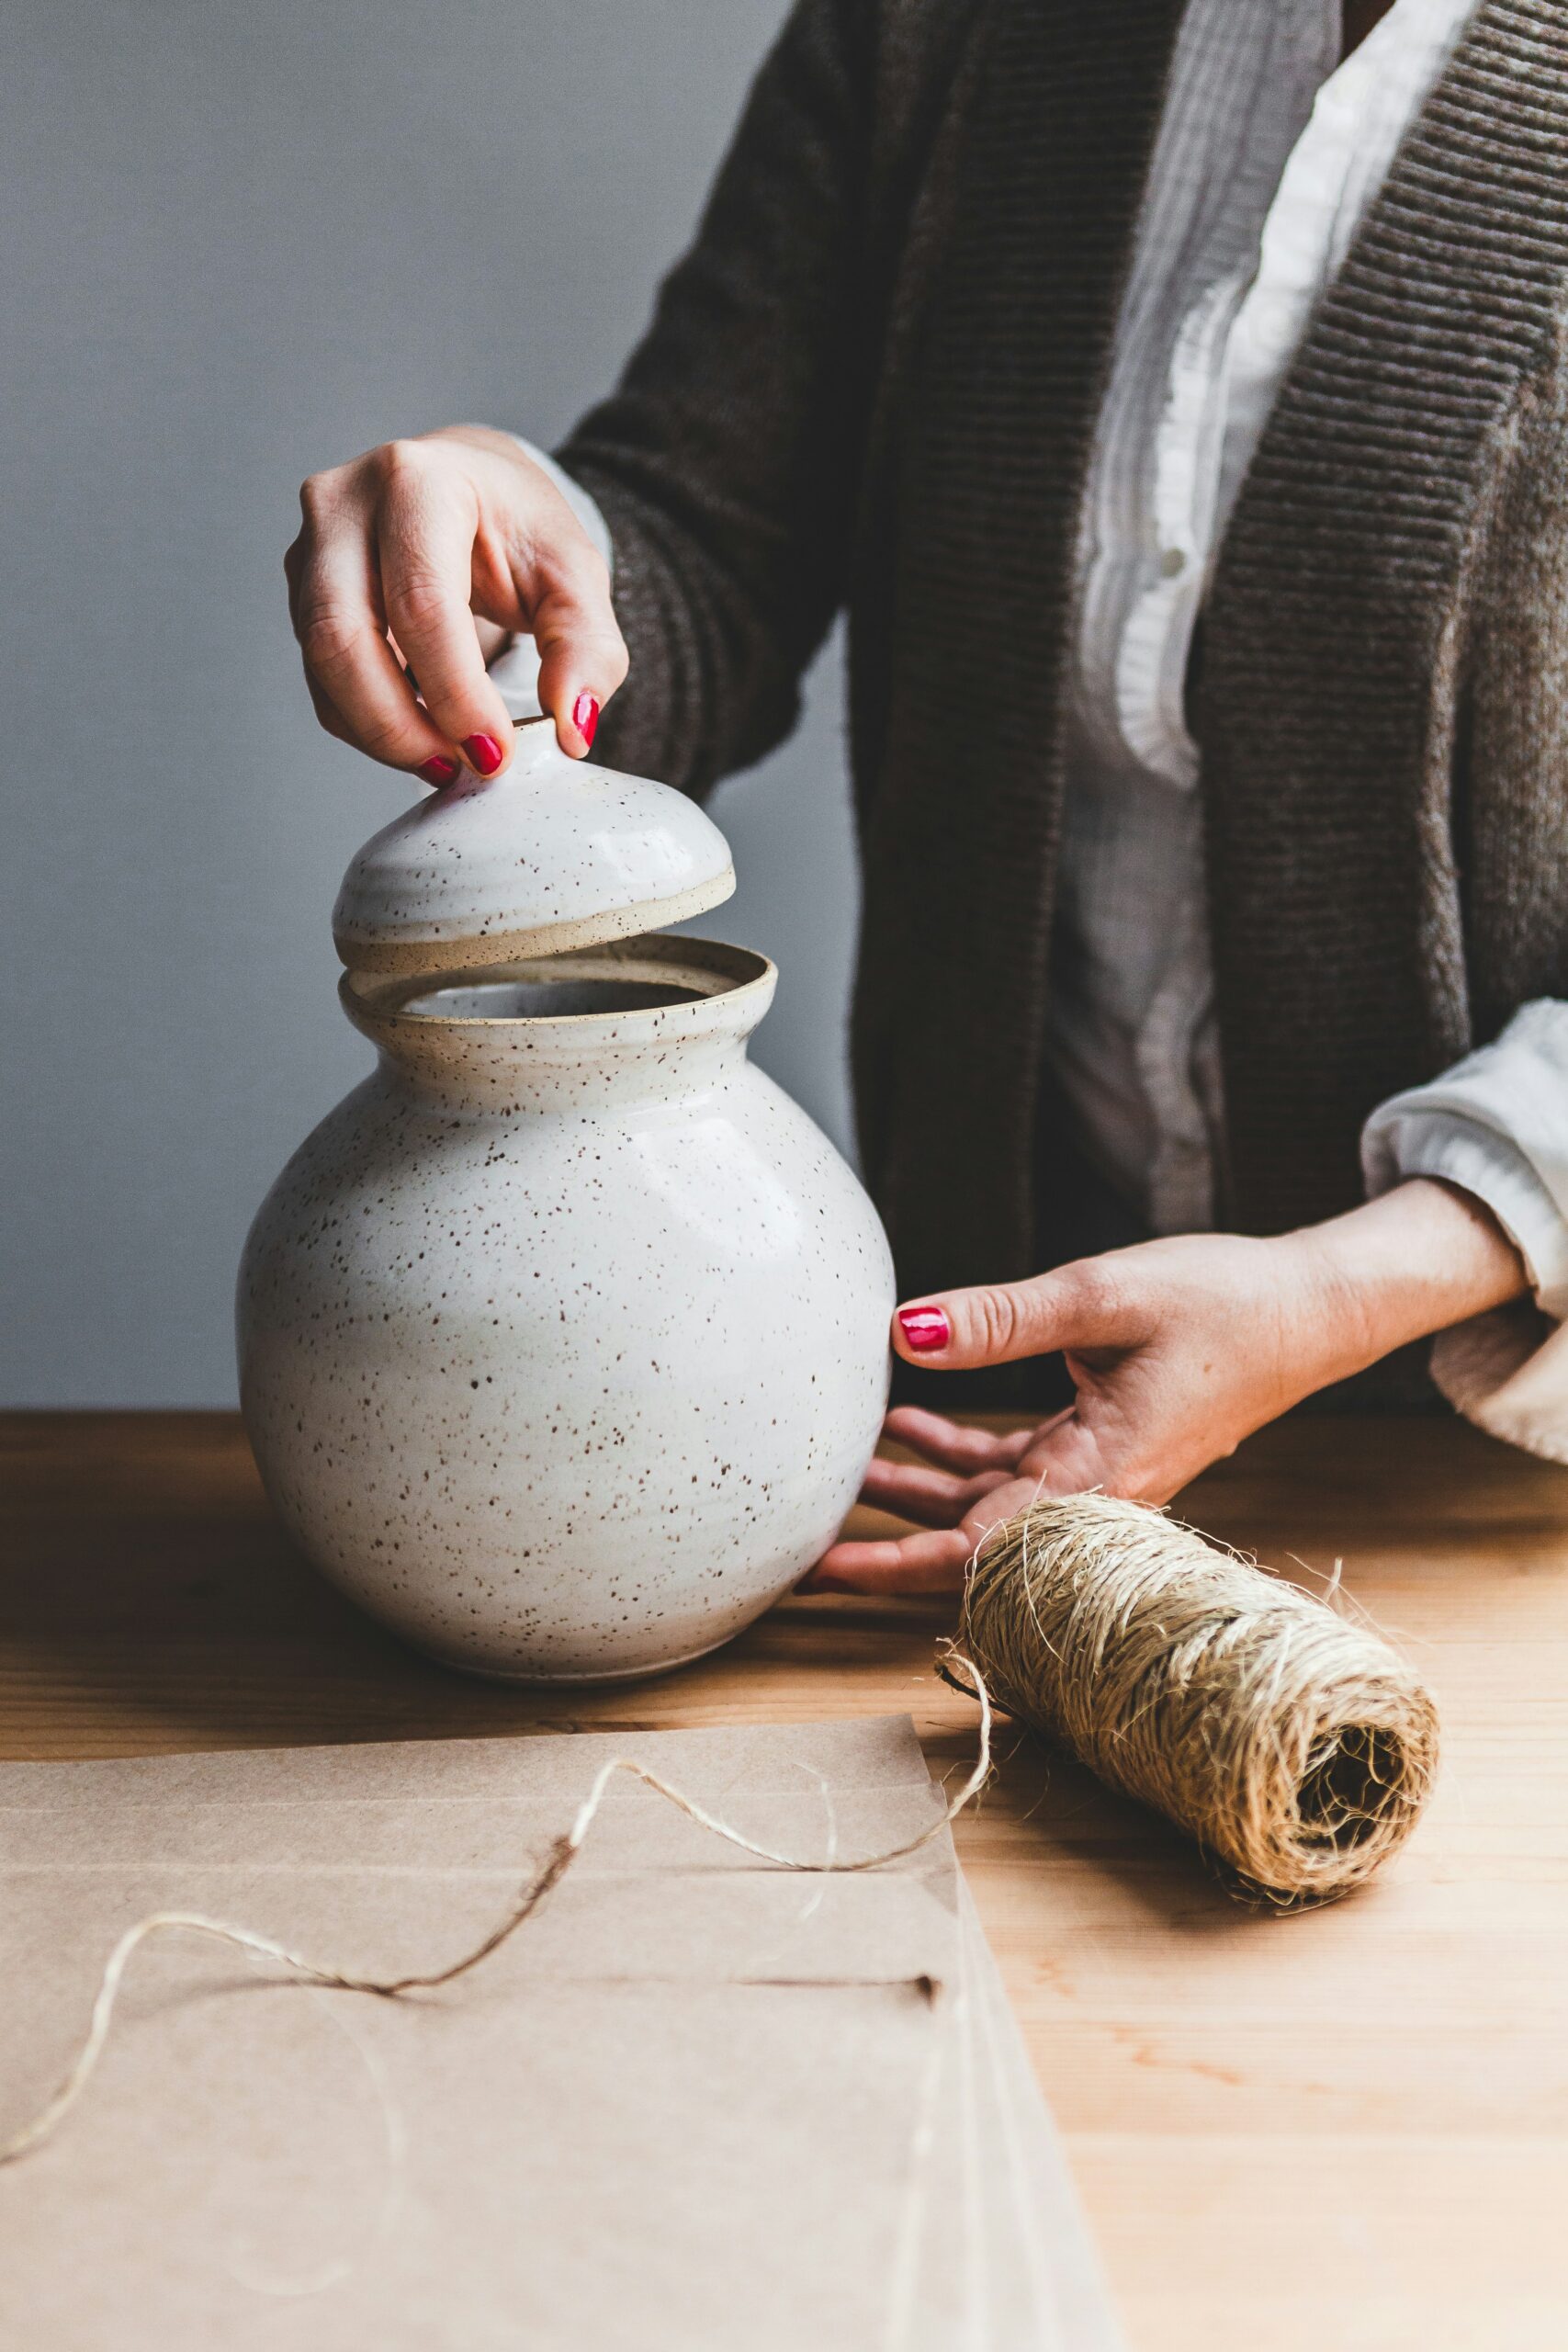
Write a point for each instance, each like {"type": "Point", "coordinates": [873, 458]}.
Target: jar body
{"type": "Point", "coordinates": [566, 1368]}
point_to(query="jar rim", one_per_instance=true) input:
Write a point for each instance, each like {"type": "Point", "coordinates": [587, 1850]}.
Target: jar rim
{"type": "Point", "coordinates": [710, 968]}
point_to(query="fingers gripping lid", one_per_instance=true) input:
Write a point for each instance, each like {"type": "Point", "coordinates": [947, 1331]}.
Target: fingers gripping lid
{"type": "Point", "coordinates": [554, 853]}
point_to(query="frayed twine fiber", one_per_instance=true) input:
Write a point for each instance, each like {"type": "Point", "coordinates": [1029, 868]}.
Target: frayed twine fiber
{"type": "Point", "coordinates": [1296, 1746]}
{"type": "Point", "coordinates": [563, 1852]}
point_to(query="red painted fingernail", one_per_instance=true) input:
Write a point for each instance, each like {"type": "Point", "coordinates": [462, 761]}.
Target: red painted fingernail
{"type": "Point", "coordinates": [484, 752]}
{"type": "Point", "coordinates": [924, 1327]}
{"type": "Point", "coordinates": [439, 770]}
{"type": "Point", "coordinates": [585, 717]}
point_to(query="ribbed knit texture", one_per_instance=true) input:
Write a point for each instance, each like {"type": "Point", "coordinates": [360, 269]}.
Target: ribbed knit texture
{"type": "Point", "coordinates": [873, 383]}
{"type": "Point", "coordinates": [1388, 851]}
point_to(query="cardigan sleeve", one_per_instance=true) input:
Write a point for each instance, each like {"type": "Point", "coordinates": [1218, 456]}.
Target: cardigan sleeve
{"type": "Point", "coordinates": [725, 462]}
{"type": "Point", "coordinates": [1496, 1123]}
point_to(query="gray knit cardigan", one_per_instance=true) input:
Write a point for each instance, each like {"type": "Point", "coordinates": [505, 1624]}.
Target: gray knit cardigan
{"type": "Point", "coordinates": [871, 384]}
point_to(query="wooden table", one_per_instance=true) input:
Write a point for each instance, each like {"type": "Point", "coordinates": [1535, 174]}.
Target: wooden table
{"type": "Point", "coordinates": [1341, 2131]}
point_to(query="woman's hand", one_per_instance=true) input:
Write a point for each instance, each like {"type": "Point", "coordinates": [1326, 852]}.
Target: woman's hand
{"type": "Point", "coordinates": [445, 546]}
{"type": "Point", "coordinates": [1177, 1350]}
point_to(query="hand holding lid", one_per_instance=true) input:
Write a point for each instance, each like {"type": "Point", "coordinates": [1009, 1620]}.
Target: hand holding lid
{"type": "Point", "coordinates": [552, 855]}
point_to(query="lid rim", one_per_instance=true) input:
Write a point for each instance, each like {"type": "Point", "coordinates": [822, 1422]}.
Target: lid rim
{"type": "Point", "coordinates": [417, 953]}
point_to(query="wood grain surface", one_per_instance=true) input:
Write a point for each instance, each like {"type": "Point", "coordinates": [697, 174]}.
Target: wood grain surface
{"type": "Point", "coordinates": [1340, 2132]}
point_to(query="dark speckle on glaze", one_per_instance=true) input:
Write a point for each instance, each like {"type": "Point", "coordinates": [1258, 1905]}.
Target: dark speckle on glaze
{"type": "Point", "coordinates": [563, 1339]}
{"type": "Point", "coordinates": [553, 853]}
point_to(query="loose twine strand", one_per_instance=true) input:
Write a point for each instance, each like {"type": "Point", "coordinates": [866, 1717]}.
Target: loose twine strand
{"type": "Point", "coordinates": [1297, 1747]}
{"type": "Point", "coordinates": [562, 1854]}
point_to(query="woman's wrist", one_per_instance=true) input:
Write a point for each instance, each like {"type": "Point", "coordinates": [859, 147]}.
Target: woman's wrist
{"type": "Point", "coordinates": [1419, 1259]}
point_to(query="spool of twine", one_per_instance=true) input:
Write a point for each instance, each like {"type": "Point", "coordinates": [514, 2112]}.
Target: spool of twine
{"type": "Point", "coordinates": [1295, 1746]}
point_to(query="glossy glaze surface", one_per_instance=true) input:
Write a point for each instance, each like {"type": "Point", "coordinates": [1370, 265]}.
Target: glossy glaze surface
{"type": "Point", "coordinates": [552, 856]}
{"type": "Point", "coordinates": [563, 1339]}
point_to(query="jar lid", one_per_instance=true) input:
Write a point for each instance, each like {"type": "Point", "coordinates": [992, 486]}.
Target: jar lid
{"type": "Point", "coordinates": [554, 853]}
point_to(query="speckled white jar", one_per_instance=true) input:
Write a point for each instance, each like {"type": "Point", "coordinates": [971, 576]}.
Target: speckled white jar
{"type": "Point", "coordinates": [563, 1339]}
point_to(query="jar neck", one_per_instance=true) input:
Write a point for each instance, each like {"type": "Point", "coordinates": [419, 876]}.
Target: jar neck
{"type": "Point", "coordinates": [642, 1022]}
{"type": "Point", "coordinates": [504, 1077]}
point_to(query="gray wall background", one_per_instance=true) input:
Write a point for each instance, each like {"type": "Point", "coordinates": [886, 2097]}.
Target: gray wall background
{"type": "Point", "coordinates": [239, 240]}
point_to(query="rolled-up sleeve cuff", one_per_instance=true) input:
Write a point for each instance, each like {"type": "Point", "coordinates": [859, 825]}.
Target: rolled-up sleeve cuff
{"type": "Point", "coordinates": [515, 668]}
{"type": "Point", "coordinates": [1497, 1172]}
{"type": "Point", "coordinates": [1496, 1125]}
{"type": "Point", "coordinates": [1508, 1372]}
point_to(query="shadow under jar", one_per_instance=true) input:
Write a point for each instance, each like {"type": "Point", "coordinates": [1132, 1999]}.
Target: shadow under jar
{"type": "Point", "coordinates": [563, 1338]}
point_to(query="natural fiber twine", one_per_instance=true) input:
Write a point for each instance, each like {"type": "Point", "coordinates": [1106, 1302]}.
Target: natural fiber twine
{"type": "Point", "coordinates": [300, 1970]}
{"type": "Point", "coordinates": [1297, 1746]}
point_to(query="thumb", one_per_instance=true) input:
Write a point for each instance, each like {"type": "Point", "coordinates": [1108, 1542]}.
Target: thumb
{"type": "Point", "coordinates": [1078, 1308]}
{"type": "Point", "coordinates": [583, 655]}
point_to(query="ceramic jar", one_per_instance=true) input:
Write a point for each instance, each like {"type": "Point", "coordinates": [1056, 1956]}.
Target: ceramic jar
{"type": "Point", "coordinates": [563, 1339]}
